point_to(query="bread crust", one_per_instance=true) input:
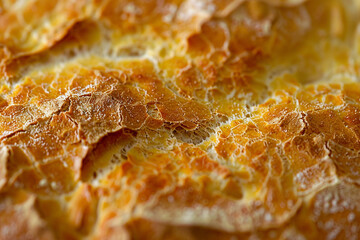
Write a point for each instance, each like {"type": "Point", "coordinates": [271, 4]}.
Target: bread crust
{"type": "Point", "coordinates": [180, 119]}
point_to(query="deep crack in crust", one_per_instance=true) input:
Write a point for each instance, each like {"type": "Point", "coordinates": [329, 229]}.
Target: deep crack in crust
{"type": "Point", "coordinates": [178, 119]}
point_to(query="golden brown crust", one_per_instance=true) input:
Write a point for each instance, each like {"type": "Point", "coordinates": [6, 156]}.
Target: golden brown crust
{"type": "Point", "coordinates": [180, 119]}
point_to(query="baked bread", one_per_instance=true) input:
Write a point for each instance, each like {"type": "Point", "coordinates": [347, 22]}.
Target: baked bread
{"type": "Point", "coordinates": [170, 119]}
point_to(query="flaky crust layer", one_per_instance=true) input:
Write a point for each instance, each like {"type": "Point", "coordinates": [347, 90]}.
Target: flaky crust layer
{"type": "Point", "coordinates": [169, 119]}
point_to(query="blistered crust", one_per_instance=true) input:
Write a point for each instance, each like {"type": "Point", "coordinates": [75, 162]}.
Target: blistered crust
{"type": "Point", "coordinates": [180, 119]}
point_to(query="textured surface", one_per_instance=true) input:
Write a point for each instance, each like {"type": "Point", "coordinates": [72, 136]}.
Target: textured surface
{"type": "Point", "coordinates": [169, 119]}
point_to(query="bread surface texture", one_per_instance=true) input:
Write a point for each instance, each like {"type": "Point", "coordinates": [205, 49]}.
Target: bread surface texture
{"type": "Point", "coordinates": [180, 119]}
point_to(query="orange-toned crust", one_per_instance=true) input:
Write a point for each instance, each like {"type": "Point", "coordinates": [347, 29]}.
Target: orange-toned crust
{"type": "Point", "coordinates": [180, 119]}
